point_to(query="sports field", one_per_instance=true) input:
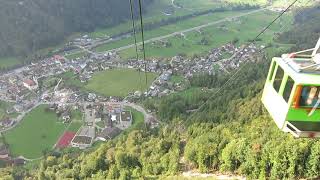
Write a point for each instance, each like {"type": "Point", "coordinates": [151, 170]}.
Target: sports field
{"type": "Point", "coordinates": [38, 132]}
{"type": "Point", "coordinates": [119, 82]}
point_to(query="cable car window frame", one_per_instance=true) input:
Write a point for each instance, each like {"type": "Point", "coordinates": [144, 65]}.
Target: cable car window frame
{"type": "Point", "coordinates": [287, 93]}
{"type": "Point", "coordinates": [282, 74]}
{"type": "Point", "coordinates": [272, 70]}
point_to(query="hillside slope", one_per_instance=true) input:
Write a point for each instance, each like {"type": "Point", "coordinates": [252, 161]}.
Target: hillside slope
{"type": "Point", "coordinates": [27, 26]}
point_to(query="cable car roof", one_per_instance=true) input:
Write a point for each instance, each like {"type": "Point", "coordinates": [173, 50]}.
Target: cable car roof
{"type": "Point", "coordinates": [294, 68]}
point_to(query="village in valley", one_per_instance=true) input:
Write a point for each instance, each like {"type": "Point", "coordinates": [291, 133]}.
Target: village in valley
{"type": "Point", "coordinates": [99, 117]}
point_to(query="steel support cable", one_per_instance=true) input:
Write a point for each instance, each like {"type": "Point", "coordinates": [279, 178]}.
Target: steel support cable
{"type": "Point", "coordinates": [143, 44]}
{"type": "Point", "coordinates": [135, 39]}
{"type": "Point", "coordinates": [233, 76]}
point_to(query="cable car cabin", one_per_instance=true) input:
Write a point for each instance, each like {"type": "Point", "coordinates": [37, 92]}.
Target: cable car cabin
{"type": "Point", "coordinates": [292, 95]}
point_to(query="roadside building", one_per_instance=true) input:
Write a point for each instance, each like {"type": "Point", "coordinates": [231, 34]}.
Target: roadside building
{"type": "Point", "coordinates": [4, 152]}
{"type": "Point", "coordinates": [30, 84]}
{"type": "Point", "coordinates": [84, 137]}
{"type": "Point", "coordinates": [108, 133]}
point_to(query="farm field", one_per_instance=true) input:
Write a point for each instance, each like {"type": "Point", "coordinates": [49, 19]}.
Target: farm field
{"type": "Point", "coordinates": [168, 29]}
{"type": "Point", "coordinates": [36, 133]}
{"type": "Point", "coordinates": [241, 29]}
{"type": "Point", "coordinates": [76, 55]}
{"type": "Point", "coordinates": [155, 13]}
{"type": "Point", "coordinates": [8, 62]}
{"type": "Point", "coordinates": [177, 79]}
{"type": "Point", "coordinates": [119, 82]}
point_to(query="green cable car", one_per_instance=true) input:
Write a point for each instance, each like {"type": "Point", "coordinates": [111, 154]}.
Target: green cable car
{"type": "Point", "coordinates": [292, 93]}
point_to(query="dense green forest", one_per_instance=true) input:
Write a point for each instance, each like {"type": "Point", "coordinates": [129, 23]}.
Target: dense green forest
{"type": "Point", "coordinates": [232, 133]}
{"type": "Point", "coordinates": [30, 25]}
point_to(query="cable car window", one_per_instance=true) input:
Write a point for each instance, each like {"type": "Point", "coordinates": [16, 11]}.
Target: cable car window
{"type": "Point", "coordinates": [273, 65]}
{"type": "Point", "coordinates": [278, 79]}
{"type": "Point", "coordinates": [309, 96]}
{"type": "Point", "coordinates": [288, 89]}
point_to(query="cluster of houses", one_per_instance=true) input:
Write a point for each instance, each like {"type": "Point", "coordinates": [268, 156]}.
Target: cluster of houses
{"type": "Point", "coordinates": [241, 55]}
{"type": "Point", "coordinates": [6, 122]}
{"type": "Point", "coordinates": [114, 119]}
{"type": "Point", "coordinates": [206, 64]}
{"type": "Point", "coordinates": [22, 86]}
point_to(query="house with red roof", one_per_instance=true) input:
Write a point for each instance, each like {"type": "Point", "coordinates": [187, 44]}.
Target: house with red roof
{"type": "Point", "coordinates": [30, 84]}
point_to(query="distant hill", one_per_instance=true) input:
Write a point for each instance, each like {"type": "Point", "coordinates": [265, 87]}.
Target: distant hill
{"type": "Point", "coordinates": [28, 25]}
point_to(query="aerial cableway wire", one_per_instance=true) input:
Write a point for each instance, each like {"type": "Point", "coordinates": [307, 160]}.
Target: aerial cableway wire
{"type": "Point", "coordinates": [233, 76]}
{"type": "Point", "coordinates": [143, 44]}
{"type": "Point", "coordinates": [135, 39]}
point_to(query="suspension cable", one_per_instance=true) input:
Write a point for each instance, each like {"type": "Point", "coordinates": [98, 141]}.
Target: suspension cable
{"type": "Point", "coordinates": [234, 76]}
{"type": "Point", "coordinates": [143, 44]}
{"type": "Point", "coordinates": [135, 39]}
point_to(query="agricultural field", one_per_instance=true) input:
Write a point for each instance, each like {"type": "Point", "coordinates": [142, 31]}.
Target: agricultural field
{"type": "Point", "coordinates": [9, 62]}
{"type": "Point", "coordinates": [76, 55]}
{"type": "Point", "coordinates": [158, 11]}
{"type": "Point", "coordinates": [168, 29]}
{"type": "Point", "coordinates": [119, 82]}
{"type": "Point", "coordinates": [240, 29]}
{"type": "Point", "coordinates": [36, 133]}
{"type": "Point", "coordinates": [70, 79]}
{"type": "Point", "coordinates": [177, 79]}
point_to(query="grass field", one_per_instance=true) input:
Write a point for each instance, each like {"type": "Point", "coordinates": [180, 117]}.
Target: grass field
{"type": "Point", "coordinates": [3, 110]}
{"type": "Point", "coordinates": [70, 79]}
{"type": "Point", "coordinates": [177, 79]}
{"type": "Point", "coordinates": [119, 82]}
{"type": "Point", "coordinates": [76, 55]}
{"type": "Point", "coordinates": [37, 132]}
{"type": "Point", "coordinates": [155, 13]}
{"type": "Point", "coordinates": [244, 29]}
{"type": "Point", "coordinates": [76, 121]}
{"type": "Point", "coordinates": [168, 29]}
{"type": "Point", "coordinates": [8, 62]}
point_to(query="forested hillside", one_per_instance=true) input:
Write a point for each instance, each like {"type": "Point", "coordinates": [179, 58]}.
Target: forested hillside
{"type": "Point", "coordinates": [232, 133]}
{"type": "Point", "coordinates": [28, 25]}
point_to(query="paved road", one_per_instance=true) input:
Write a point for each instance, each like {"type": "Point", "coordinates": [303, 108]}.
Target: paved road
{"type": "Point", "coordinates": [147, 116]}
{"type": "Point", "coordinates": [20, 117]}
{"type": "Point", "coordinates": [170, 35]}
{"type": "Point", "coordinates": [184, 31]}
